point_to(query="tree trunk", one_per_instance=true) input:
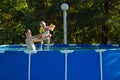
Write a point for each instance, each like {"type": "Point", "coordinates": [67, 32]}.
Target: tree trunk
{"type": "Point", "coordinates": [104, 37]}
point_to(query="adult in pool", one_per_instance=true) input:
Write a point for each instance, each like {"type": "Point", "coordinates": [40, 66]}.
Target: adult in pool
{"type": "Point", "coordinates": [31, 39]}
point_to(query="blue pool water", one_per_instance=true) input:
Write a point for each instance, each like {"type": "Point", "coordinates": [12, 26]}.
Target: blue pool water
{"type": "Point", "coordinates": [60, 47]}
{"type": "Point", "coordinates": [60, 62]}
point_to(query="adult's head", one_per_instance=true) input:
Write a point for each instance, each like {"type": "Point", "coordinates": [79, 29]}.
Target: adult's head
{"type": "Point", "coordinates": [28, 33]}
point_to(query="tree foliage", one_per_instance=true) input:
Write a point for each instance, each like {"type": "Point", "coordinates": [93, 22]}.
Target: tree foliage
{"type": "Point", "coordinates": [89, 21]}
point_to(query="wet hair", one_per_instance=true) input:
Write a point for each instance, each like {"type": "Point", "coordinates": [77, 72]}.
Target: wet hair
{"type": "Point", "coordinates": [26, 31]}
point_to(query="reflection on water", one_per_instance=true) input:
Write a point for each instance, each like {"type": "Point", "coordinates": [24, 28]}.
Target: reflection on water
{"type": "Point", "coordinates": [57, 47]}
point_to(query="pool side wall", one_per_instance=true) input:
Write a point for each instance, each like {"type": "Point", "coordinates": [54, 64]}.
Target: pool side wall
{"type": "Point", "coordinates": [50, 65]}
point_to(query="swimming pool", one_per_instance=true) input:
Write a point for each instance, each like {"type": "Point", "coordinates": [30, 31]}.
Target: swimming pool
{"type": "Point", "coordinates": [60, 62]}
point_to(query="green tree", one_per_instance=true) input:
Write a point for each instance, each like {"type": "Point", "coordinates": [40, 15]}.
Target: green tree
{"type": "Point", "coordinates": [89, 21]}
{"type": "Point", "coordinates": [10, 21]}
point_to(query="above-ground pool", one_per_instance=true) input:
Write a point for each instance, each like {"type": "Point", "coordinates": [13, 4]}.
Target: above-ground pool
{"type": "Point", "coordinates": [60, 62]}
